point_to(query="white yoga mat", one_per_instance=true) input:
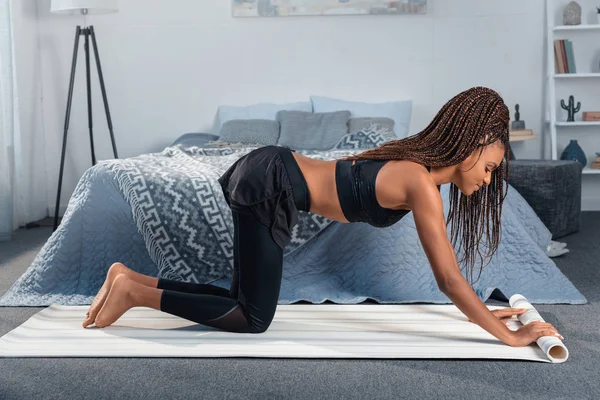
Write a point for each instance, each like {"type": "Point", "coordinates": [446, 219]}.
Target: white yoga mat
{"type": "Point", "coordinates": [297, 331]}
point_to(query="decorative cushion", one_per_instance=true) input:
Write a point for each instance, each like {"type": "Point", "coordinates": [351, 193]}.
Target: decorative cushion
{"type": "Point", "coordinates": [198, 139]}
{"type": "Point", "coordinates": [358, 124]}
{"type": "Point", "coordinates": [307, 131]}
{"type": "Point", "coordinates": [255, 111]}
{"type": "Point", "coordinates": [399, 111]}
{"type": "Point", "coordinates": [250, 131]}
{"type": "Point", "coordinates": [553, 189]}
{"type": "Point", "coordinates": [367, 138]}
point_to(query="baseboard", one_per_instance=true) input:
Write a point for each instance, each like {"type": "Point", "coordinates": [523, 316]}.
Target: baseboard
{"type": "Point", "coordinates": [590, 204]}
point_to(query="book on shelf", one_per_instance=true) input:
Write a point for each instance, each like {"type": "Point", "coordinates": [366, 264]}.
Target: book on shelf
{"type": "Point", "coordinates": [564, 57]}
{"type": "Point", "coordinates": [596, 163]}
{"type": "Point", "coordinates": [591, 115]}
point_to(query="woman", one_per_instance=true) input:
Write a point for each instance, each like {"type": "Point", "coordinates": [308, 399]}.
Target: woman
{"type": "Point", "coordinates": [466, 145]}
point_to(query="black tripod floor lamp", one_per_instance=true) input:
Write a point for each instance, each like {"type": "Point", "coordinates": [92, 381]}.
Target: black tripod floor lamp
{"type": "Point", "coordinates": [83, 7]}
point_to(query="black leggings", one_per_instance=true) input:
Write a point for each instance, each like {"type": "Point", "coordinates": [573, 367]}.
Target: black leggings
{"type": "Point", "coordinates": [249, 305]}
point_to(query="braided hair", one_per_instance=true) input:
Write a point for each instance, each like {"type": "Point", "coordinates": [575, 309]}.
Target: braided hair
{"type": "Point", "coordinates": [468, 122]}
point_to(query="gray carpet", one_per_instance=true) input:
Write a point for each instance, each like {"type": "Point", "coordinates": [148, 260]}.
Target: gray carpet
{"type": "Point", "coordinates": [121, 378]}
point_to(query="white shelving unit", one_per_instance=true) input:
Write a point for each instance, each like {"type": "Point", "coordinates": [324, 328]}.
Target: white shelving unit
{"type": "Point", "coordinates": [555, 31]}
{"type": "Point", "coordinates": [575, 76]}
{"type": "Point", "coordinates": [582, 27]}
{"type": "Point", "coordinates": [578, 123]}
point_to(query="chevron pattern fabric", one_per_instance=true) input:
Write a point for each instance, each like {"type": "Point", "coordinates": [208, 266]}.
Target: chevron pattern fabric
{"type": "Point", "coordinates": [179, 207]}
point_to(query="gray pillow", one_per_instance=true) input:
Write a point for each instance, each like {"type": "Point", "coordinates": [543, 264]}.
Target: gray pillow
{"type": "Point", "coordinates": [358, 124]}
{"type": "Point", "coordinates": [261, 131]}
{"type": "Point", "coordinates": [217, 144]}
{"type": "Point", "coordinates": [312, 131]}
{"type": "Point", "coordinates": [194, 139]}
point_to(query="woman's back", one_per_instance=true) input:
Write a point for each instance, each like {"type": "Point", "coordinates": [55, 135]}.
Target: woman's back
{"type": "Point", "coordinates": [371, 191]}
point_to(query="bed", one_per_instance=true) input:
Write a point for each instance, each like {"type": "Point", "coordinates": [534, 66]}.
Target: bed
{"type": "Point", "coordinates": [163, 214]}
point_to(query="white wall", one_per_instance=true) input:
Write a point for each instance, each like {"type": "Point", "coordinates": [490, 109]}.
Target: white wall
{"type": "Point", "coordinates": [168, 65]}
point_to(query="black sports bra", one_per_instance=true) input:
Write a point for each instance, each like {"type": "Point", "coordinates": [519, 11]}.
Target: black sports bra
{"type": "Point", "coordinates": [356, 193]}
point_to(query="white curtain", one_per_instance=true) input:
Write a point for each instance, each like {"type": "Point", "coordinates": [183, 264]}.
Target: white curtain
{"type": "Point", "coordinates": [11, 215]}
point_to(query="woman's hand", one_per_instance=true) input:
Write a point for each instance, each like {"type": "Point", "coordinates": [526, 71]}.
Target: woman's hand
{"type": "Point", "coordinates": [531, 332]}
{"type": "Point", "coordinates": [507, 312]}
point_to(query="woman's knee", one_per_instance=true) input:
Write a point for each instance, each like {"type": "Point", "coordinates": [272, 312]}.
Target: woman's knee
{"type": "Point", "coordinates": [260, 327]}
{"type": "Point", "coordinates": [259, 322]}
{"type": "Point", "coordinates": [117, 269]}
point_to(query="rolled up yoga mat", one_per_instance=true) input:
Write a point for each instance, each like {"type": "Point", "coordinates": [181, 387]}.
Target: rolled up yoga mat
{"type": "Point", "coordinates": [552, 346]}
{"type": "Point", "coordinates": [376, 331]}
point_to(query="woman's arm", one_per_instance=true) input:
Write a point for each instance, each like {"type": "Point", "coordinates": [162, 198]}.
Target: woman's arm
{"type": "Point", "coordinates": [427, 208]}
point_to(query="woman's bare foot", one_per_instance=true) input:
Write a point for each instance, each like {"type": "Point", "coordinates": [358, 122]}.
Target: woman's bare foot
{"type": "Point", "coordinates": [113, 272]}
{"type": "Point", "coordinates": [118, 301]}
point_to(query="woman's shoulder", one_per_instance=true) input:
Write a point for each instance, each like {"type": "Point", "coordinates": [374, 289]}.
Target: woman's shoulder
{"type": "Point", "coordinates": [421, 190]}
{"type": "Point", "coordinates": [411, 170]}
{"type": "Point", "coordinates": [407, 182]}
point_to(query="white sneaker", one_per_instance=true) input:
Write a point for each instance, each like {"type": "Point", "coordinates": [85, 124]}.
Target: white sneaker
{"type": "Point", "coordinates": [560, 245]}
{"type": "Point", "coordinates": [555, 252]}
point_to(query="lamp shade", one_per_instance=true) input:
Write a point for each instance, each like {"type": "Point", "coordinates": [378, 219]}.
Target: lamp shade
{"type": "Point", "coordinates": [84, 6]}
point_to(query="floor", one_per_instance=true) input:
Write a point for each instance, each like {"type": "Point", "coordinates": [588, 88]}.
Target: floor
{"type": "Point", "coordinates": [248, 378]}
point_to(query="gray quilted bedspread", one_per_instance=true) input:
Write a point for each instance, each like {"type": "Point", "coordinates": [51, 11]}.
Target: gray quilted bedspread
{"type": "Point", "coordinates": [164, 214]}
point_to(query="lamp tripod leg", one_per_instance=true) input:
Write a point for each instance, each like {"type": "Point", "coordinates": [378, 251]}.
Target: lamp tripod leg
{"type": "Point", "coordinates": [86, 33]}
{"type": "Point", "coordinates": [66, 126]}
{"type": "Point", "coordinates": [103, 89]}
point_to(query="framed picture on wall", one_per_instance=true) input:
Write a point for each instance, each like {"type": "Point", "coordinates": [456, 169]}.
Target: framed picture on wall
{"type": "Point", "coordinates": [289, 8]}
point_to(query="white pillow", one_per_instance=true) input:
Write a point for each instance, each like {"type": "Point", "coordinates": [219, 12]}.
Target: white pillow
{"type": "Point", "coordinates": [255, 111]}
{"type": "Point", "coordinates": [400, 111]}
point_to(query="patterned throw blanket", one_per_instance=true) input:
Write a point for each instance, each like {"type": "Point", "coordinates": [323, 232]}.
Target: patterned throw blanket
{"type": "Point", "coordinates": [179, 207]}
